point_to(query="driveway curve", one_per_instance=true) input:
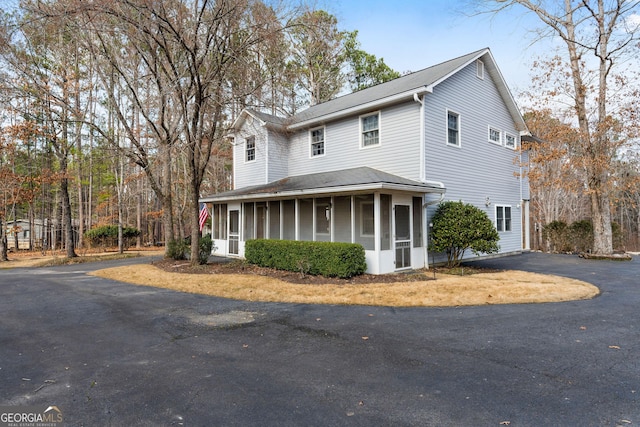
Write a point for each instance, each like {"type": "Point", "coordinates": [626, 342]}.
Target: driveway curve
{"type": "Point", "coordinates": [107, 353]}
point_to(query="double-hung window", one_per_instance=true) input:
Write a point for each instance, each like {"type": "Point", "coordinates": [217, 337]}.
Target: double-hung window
{"type": "Point", "coordinates": [509, 140]}
{"type": "Point", "coordinates": [370, 128]}
{"type": "Point", "coordinates": [453, 128]}
{"type": "Point", "coordinates": [495, 136]}
{"type": "Point", "coordinates": [317, 142]}
{"type": "Point", "coordinates": [250, 149]}
{"type": "Point", "coordinates": [503, 218]}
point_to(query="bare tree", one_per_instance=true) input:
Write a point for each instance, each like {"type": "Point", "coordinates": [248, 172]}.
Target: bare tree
{"type": "Point", "coordinates": [599, 37]}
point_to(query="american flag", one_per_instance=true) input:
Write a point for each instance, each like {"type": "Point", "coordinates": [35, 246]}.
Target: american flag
{"type": "Point", "coordinates": [204, 215]}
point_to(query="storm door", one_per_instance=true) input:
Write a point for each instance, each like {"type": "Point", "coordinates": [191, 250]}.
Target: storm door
{"type": "Point", "coordinates": [234, 231]}
{"type": "Point", "coordinates": [402, 219]}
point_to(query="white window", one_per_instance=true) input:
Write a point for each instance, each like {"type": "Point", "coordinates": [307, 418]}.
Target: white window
{"type": "Point", "coordinates": [317, 142]}
{"type": "Point", "coordinates": [370, 130]}
{"type": "Point", "coordinates": [503, 218]}
{"type": "Point", "coordinates": [250, 149]}
{"type": "Point", "coordinates": [495, 136]}
{"type": "Point", "coordinates": [480, 69]}
{"type": "Point", "coordinates": [453, 128]}
{"type": "Point", "coordinates": [509, 140]}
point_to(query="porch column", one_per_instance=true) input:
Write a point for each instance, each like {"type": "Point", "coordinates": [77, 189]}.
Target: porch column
{"type": "Point", "coordinates": [377, 223]}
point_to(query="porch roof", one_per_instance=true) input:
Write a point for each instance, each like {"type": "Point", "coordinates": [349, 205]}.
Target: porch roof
{"type": "Point", "coordinates": [359, 179]}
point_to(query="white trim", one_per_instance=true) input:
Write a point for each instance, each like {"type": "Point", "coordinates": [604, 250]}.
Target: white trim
{"type": "Point", "coordinates": [266, 157]}
{"type": "Point", "coordinates": [446, 125]}
{"type": "Point", "coordinates": [324, 142]}
{"type": "Point", "coordinates": [515, 141]}
{"type": "Point", "coordinates": [361, 136]}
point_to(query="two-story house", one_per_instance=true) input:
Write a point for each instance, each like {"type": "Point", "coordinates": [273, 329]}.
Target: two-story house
{"type": "Point", "coordinates": [370, 167]}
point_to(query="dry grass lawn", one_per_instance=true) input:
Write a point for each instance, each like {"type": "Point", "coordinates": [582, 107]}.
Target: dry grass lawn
{"type": "Point", "coordinates": [36, 259]}
{"type": "Point", "coordinates": [507, 287]}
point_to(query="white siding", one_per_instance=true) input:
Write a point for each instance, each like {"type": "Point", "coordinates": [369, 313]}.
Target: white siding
{"type": "Point", "coordinates": [278, 156]}
{"type": "Point", "coordinates": [250, 173]}
{"type": "Point", "coordinates": [397, 153]}
{"type": "Point", "coordinates": [478, 169]}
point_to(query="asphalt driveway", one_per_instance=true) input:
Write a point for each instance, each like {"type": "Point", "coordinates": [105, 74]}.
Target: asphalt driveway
{"type": "Point", "coordinates": [108, 353]}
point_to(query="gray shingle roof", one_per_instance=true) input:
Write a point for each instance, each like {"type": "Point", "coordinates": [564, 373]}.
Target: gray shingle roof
{"type": "Point", "coordinates": [365, 178]}
{"type": "Point", "coordinates": [407, 83]}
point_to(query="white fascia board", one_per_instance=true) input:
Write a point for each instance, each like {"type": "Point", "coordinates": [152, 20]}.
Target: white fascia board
{"type": "Point", "coordinates": [360, 108]}
{"type": "Point", "coordinates": [350, 189]}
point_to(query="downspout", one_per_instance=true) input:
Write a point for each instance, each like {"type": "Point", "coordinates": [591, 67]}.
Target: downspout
{"type": "Point", "coordinates": [423, 174]}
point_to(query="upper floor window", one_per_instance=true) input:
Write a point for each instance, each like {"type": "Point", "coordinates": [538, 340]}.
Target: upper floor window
{"type": "Point", "coordinates": [370, 128]}
{"type": "Point", "coordinates": [453, 128]}
{"type": "Point", "coordinates": [495, 136]}
{"type": "Point", "coordinates": [503, 218]}
{"type": "Point", "coordinates": [317, 142]}
{"type": "Point", "coordinates": [480, 69]}
{"type": "Point", "coordinates": [250, 149]}
{"type": "Point", "coordinates": [509, 140]}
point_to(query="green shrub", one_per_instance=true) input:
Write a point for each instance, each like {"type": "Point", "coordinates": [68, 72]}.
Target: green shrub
{"type": "Point", "coordinates": [581, 234]}
{"type": "Point", "coordinates": [107, 235]}
{"type": "Point", "coordinates": [206, 244]}
{"type": "Point", "coordinates": [329, 259]}
{"type": "Point", "coordinates": [459, 226]}
{"type": "Point", "coordinates": [178, 249]}
{"type": "Point", "coordinates": [617, 235]}
{"type": "Point", "coordinates": [558, 237]}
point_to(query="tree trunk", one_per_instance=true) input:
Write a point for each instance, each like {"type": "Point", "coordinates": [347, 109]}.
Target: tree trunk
{"type": "Point", "coordinates": [3, 242]}
{"type": "Point", "coordinates": [602, 235]}
{"type": "Point", "coordinates": [66, 214]}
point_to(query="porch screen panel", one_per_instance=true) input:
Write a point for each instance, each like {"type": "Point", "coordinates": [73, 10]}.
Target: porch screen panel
{"type": "Point", "coordinates": [215, 221]}
{"type": "Point", "coordinates": [274, 220]}
{"type": "Point", "coordinates": [248, 221]}
{"type": "Point", "coordinates": [365, 225]}
{"type": "Point", "coordinates": [342, 218]}
{"type": "Point", "coordinates": [323, 219]}
{"type": "Point", "coordinates": [417, 222]}
{"type": "Point", "coordinates": [261, 220]}
{"type": "Point", "coordinates": [306, 219]}
{"type": "Point", "coordinates": [385, 222]}
{"type": "Point", "coordinates": [289, 219]}
{"type": "Point", "coordinates": [219, 221]}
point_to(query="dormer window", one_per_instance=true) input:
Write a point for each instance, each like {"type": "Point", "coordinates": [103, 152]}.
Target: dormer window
{"type": "Point", "coordinates": [250, 149]}
{"type": "Point", "coordinates": [370, 128]}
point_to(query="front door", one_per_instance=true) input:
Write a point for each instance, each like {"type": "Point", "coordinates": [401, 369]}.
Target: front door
{"type": "Point", "coordinates": [234, 232]}
{"type": "Point", "coordinates": [402, 223]}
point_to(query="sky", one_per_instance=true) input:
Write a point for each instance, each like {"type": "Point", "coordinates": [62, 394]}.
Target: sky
{"type": "Point", "coordinates": [414, 34]}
